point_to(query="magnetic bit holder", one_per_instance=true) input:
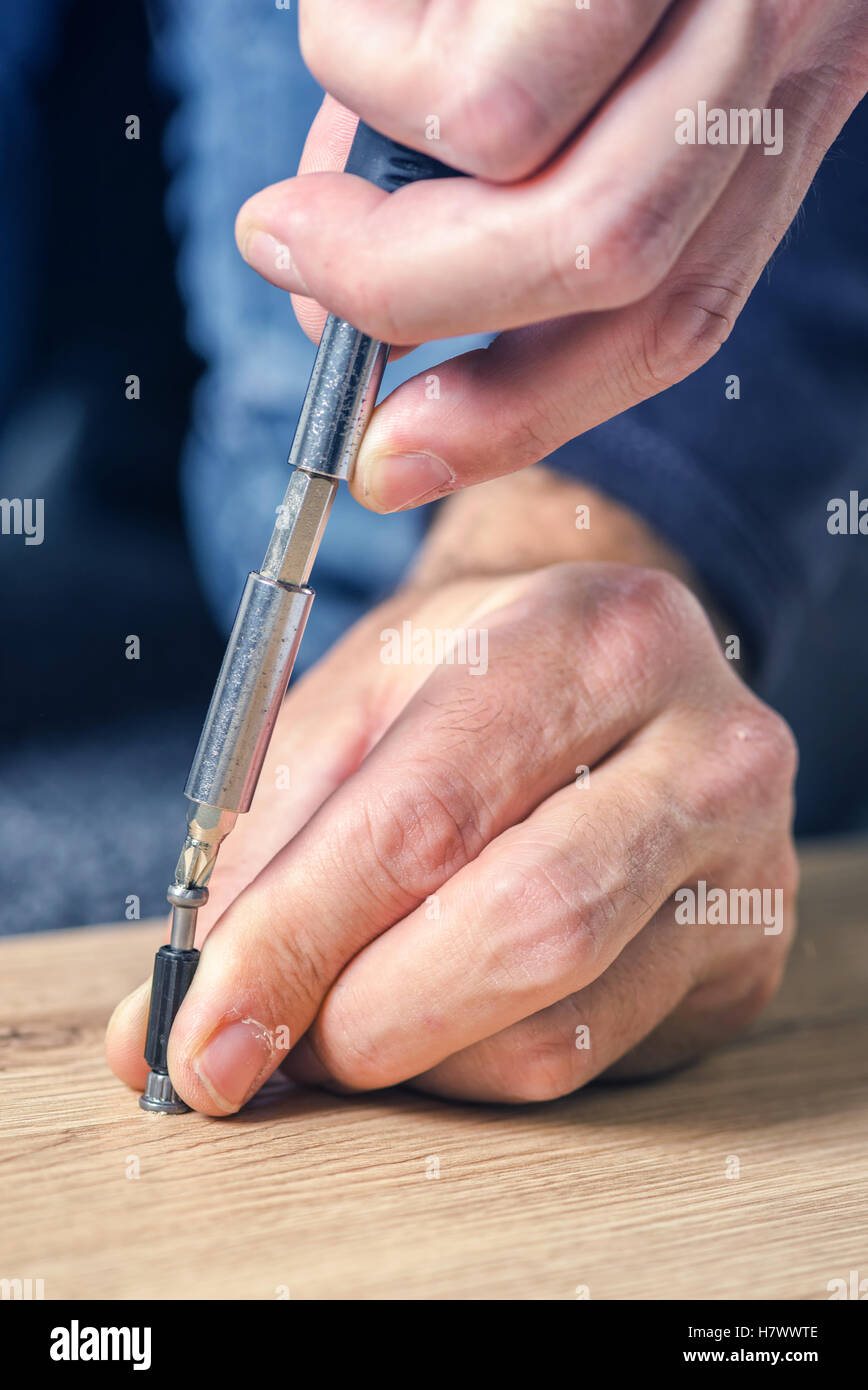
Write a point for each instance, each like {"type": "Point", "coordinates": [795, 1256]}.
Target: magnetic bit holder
{"type": "Point", "coordinates": [270, 621]}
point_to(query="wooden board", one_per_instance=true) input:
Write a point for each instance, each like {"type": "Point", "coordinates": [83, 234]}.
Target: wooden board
{"type": "Point", "coordinates": [623, 1190]}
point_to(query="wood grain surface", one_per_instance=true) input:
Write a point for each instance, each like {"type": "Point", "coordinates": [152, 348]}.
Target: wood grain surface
{"type": "Point", "coordinates": [621, 1190]}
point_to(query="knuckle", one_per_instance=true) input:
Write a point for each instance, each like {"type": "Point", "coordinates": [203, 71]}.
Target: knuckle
{"type": "Point", "coordinates": [350, 1061]}
{"type": "Point", "coordinates": [748, 765]}
{"type": "Point", "coordinates": [557, 588]}
{"type": "Point", "coordinates": [656, 599]}
{"type": "Point", "coordinates": [554, 918]}
{"type": "Point", "coordinates": [637, 620]}
{"type": "Point", "coordinates": [640, 241]}
{"type": "Point", "coordinates": [760, 742]}
{"type": "Point", "coordinates": [500, 127]}
{"type": "Point", "coordinates": [776, 750]}
{"type": "Point", "coordinates": [541, 1071]}
{"type": "Point", "coordinates": [692, 320]}
{"type": "Point", "coordinates": [517, 894]}
{"type": "Point", "coordinates": [423, 827]}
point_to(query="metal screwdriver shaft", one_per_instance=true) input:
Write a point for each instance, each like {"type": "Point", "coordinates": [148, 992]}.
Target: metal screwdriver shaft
{"type": "Point", "coordinates": [258, 662]}
{"type": "Point", "coordinates": [269, 624]}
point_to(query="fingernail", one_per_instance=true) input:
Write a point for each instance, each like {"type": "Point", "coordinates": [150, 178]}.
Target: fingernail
{"type": "Point", "coordinates": [270, 257]}
{"type": "Point", "coordinates": [232, 1062]}
{"type": "Point", "coordinates": [393, 481]}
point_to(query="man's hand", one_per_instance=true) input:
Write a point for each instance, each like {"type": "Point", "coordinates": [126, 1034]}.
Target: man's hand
{"type": "Point", "coordinates": [615, 258]}
{"type": "Point", "coordinates": [468, 908]}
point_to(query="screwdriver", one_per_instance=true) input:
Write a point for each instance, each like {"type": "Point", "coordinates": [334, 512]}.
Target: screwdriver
{"type": "Point", "coordinates": [270, 621]}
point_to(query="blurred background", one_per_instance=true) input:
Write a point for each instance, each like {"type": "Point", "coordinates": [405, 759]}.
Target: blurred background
{"type": "Point", "coordinates": [118, 261]}
{"type": "Point", "coordinates": [89, 737]}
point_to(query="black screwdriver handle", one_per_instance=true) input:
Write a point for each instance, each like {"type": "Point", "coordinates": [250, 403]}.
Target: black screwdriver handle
{"type": "Point", "coordinates": [389, 165]}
